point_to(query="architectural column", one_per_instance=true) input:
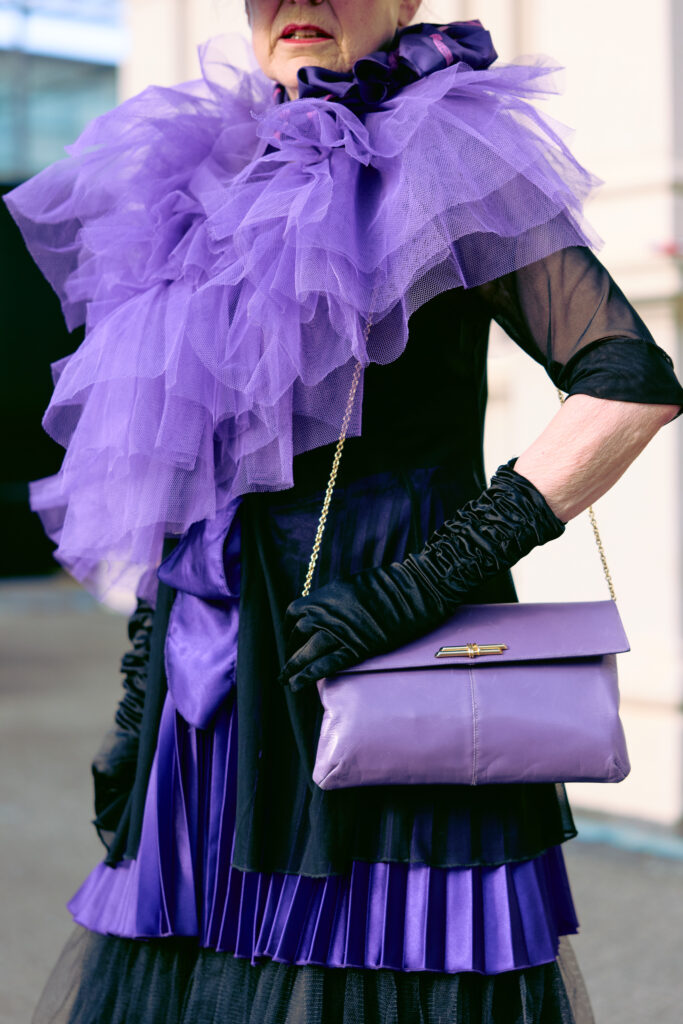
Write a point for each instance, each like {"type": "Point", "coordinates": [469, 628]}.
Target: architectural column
{"type": "Point", "coordinates": [628, 132]}
{"type": "Point", "coordinates": [164, 35]}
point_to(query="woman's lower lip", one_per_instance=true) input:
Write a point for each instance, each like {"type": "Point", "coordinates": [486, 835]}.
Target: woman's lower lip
{"type": "Point", "coordinates": [312, 39]}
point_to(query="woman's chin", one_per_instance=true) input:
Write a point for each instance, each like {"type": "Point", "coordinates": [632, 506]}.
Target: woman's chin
{"type": "Point", "coordinates": [306, 56]}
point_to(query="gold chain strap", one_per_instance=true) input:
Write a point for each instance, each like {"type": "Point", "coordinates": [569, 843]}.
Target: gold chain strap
{"type": "Point", "coordinates": [596, 533]}
{"type": "Point", "coordinates": [333, 476]}
{"type": "Point", "coordinates": [335, 470]}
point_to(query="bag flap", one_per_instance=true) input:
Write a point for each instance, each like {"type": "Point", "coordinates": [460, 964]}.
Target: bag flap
{"type": "Point", "coordinates": [530, 632]}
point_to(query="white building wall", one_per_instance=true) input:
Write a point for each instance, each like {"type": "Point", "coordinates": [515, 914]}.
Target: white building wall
{"type": "Point", "coordinates": [626, 134]}
{"type": "Point", "coordinates": [624, 95]}
{"type": "Point", "coordinates": [164, 35]}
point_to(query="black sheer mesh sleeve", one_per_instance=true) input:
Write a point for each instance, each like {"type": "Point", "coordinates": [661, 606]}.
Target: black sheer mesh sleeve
{"type": "Point", "coordinates": [570, 316]}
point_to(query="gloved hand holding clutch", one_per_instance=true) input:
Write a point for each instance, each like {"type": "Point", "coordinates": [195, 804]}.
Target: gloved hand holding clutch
{"type": "Point", "coordinates": [377, 610]}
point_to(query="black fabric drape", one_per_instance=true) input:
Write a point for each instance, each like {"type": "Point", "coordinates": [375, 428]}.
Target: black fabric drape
{"type": "Point", "coordinates": [126, 839]}
{"type": "Point", "coordinates": [115, 763]}
{"type": "Point", "coordinates": [173, 981]}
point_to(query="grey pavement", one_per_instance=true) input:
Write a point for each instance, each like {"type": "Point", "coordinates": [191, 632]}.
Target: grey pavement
{"type": "Point", "coordinates": [59, 683]}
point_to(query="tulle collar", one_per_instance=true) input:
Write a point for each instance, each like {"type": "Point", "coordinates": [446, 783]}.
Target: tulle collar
{"type": "Point", "coordinates": [229, 253]}
{"type": "Point", "coordinates": [416, 52]}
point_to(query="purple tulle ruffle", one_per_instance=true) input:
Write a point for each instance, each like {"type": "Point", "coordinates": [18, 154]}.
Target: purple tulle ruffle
{"type": "Point", "coordinates": [397, 916]}
{"type": "Point", "coordinates": [227, 253]}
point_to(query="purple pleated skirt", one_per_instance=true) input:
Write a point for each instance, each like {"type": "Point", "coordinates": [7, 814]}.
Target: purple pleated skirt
{"type": "Point", "coordinates": [405, 917]}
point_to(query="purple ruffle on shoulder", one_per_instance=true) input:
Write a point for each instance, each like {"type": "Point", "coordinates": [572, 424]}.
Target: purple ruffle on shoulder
{"type": "Point", "coordinates": [228, 252]}
{"type": "Point", "coordinates": [396, 916]}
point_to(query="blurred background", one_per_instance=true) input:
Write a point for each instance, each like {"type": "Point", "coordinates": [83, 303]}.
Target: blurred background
{"type": "Point", "coordinates": [62, 62]}
{"type": "Point", "coordinates": [59, 68]}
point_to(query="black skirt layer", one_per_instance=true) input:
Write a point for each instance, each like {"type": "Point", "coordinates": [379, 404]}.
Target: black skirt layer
{"type": "Point", "coordinates": [106, 980]}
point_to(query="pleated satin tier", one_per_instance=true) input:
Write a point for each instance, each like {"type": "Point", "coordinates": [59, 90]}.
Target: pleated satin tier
{"type": "Point", "coordinates": [404, 917]}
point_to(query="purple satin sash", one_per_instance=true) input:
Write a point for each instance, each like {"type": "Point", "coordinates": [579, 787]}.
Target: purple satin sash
{"type": "Point", "coordinates": [201, 642]}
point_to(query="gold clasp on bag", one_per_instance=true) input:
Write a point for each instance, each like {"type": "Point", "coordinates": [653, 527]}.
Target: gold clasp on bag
{"type": "Point", "coordinates": [470, 650]}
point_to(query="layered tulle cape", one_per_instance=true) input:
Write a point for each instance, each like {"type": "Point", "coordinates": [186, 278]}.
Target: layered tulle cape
{"type": "Point", "coordinates": [232, 256]}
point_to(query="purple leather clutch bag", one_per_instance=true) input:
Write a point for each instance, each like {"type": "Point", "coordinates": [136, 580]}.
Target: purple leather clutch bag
{"type": "Point", "coordinates": [499, 693]}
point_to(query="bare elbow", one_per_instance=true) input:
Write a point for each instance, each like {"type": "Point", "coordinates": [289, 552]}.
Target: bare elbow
{"type": "Point", "coordinates": [666, 413]}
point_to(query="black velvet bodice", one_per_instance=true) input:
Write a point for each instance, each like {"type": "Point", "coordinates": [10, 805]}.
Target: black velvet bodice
{"type": "Point", "coordinates": [418, 459]}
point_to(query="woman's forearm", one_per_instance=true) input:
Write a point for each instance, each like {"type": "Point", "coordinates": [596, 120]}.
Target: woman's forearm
{"type": "Point", "coordinates": [586, 447]}
{"type": "Point", "coordinates": [579, 455]}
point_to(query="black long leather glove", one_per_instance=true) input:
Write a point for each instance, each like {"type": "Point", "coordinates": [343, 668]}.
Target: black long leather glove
{"type": "Point", "coordinates": [113, 767]}
{"type": "Point", "coordinates": [378, 610]}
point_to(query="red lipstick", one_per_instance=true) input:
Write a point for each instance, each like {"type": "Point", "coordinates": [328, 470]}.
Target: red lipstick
{"type": "Point", "coordinates": [318, 34]}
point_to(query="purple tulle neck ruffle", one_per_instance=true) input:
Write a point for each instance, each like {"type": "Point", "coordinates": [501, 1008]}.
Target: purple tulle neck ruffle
{"type": "Point", "coordinates": [416, 51]}
{"type": "Point", "coordinates": [227, 254]}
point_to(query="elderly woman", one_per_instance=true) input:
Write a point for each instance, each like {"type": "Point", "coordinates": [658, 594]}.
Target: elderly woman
{"type": "Point", "coordinates": [246, 251]}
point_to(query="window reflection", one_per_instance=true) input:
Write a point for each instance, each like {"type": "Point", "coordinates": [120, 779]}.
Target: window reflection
{"type": "Point", "coordinates": [57, 71]}
{"type": "Point", "coordinates": [44, 105]}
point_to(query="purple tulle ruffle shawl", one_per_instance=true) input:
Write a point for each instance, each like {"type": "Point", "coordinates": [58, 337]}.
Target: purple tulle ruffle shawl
{"type": "Point", "coordinates": [227, 251]}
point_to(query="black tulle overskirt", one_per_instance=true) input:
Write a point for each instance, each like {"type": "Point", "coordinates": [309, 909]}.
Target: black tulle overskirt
{"type": "Point", "coordinates": [107, 980]}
